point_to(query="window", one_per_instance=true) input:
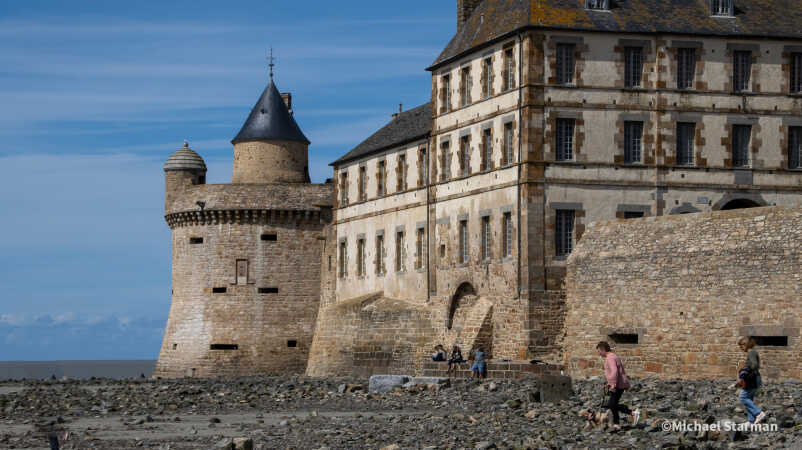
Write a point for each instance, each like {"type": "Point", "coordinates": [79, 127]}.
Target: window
{"type": "Point", "coordinates": [564, 232]}
{"type": "Point", "coordinates": [486, 238]}
{"type": "Point", "coordinates": [633, 66]}
{"type": "Point", "coordinates": [741, 70]}
{"type": "Point", "coordinates": [597, 4]}
{"type": "Point", "coordinates": [686, 66]}
{"type": "Point", "coordinates": [268, 290]}
{"type": "Point", "coordinates": [242, 271]}
{"type": "Point", "coordinates": [381, 177]}
{"type": "Point", "coordinates": [624, 338]}
{"type": "Point", "coordinates": [796, 73]}
{"type": "Point", "coordinates": [795, 147]}
{"type": "Point", "coordinates": [292, 343]}
{"type": "Point", "coordinates": [465, 155]}
{"type": "Point", "coordinates": [401, 184]}
{"type": "Point", "coordinates": [419, 236]}
{"type": "Point", "coordinates": [446, 93]}
{"type": "Point", "coordinates": [633, 214]}
{"type": "Point", "coordinates": [487, 149]}
{"type": "Point", "coordinates": [463, 241]}
{"type": "Point", "coordinates": [362, 181]}
{"type": "Point", "coordinates": [342, 262]}
{"type": "Point", "coordinates": [219, 290]}
{"type": "Point", "coordinates": [487, 74]}
{"type": "Point", "coordinates": [771, 341]}
{"type": "Point", "coordinates": [633, 138]}
{"type": "Point", "coordinates": [445, 166]}
{"type": "Point", "coordinates": [360, 257]}
{"type": "Point", "coordinates": [223, 347]}
{"type": "Point", "coordinates": [422, 167]}
{"type": "Point", "coordinates": [565, 139]}
{"type": "Point", "coordinates": [508, 143]}
{"type": "Point", "coordinates": [685, 136]}
{"type": "Point", "coordinates": [507, 242]}
{"type": "Point", "coordinates": [400, 253]}
{"type": "Point", "coordinates": [344, 189]}
{"type": "Point", "coordinates": [269, 237]}
{"type": "Point", "coordinates": [721, 7]}
{"type": "Point", "coordinates": [740, 145]}
{"type": "Point", "coordinates": [380, 253]}
{"type": "Point", "coordinates": [465, 86]}
{"type": "Point", "coordinates": [565, 63]}
{"type": "Point", "coordinates": [195, 240]}
{"type": "Point", "coordinates": [509, 65]}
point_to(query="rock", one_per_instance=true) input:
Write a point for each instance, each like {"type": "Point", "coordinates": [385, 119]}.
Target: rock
{"type": "Point", "coordinates": [386, 383]}
{"type": "Point", "coordinates": [531, 414]}
{"type": "Point", "coordinates": [341, 388]}
{"type": "Point", "coordinates": [243, 443]}
{"type": "Point", "coordinates": [214, 420]}
{"type": "Point", "coordinates": [492, 387]}
{"type": "Point", "coordinates": [392, 447]}
{"type": "Point", "coordinates": [225, 444]}
{"type": "Point", "coordinates": [484, 445]}
{"type": "Point", "coordinates": [514, 403]}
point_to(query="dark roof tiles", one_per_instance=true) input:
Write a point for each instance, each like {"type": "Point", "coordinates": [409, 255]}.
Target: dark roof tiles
{"type": "Point", "coordinates": [492, 19]}
{"type": "Point", "coordinates": [408, 126]}
{"type": "Point", "coordinates": [270, 120]}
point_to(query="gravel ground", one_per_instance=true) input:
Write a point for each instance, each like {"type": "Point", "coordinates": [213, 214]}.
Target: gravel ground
{"type": "Point", "coordinates": [303, 413]}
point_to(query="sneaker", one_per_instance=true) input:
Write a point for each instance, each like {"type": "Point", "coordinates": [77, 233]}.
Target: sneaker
{"type": "Point", "coordinates": [616, 427]}
{"type": "Point", "coordinates": [635, 417]}
{"type": "Point", "coordinates": [760, 417]}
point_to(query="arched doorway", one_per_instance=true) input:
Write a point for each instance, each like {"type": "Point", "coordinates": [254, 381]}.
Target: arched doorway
{"type": "Point", "coordinates": [740, 203]}
{"type": "Point", "coordinates": [463, 299]}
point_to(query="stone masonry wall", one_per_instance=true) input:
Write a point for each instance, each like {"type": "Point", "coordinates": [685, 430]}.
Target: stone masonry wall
{"type": "Point", "coordinates": [371, 335]}
{"type": "Point", "coordinates": [686, 287]}
{"type": "Point", "coordinates": [236, 288]}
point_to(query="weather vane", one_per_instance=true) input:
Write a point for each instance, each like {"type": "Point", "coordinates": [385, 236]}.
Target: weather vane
{"type": "Point", "coordinates": [272, 64]}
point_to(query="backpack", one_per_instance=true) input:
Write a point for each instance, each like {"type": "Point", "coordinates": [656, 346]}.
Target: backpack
{"type": "Point", "coordinates": [747, 378]}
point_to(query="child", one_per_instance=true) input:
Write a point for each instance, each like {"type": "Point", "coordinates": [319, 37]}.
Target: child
{"type": "Point", "coordinates": [455, 359]}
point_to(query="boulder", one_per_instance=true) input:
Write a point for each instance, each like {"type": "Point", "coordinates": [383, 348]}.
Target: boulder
{"type": "Point", "coordinates": [386, 383]}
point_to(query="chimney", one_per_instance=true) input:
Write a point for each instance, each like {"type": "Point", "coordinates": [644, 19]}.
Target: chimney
{"type": "Point", "coordinates": [400, 110]}
{"type": "Point", "coordinates": [465, 10]}
{"type": "Point", "coordinates": [287, 97]}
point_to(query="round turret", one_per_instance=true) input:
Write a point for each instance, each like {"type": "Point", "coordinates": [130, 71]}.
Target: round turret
{"type": "Point", "coordinates": [185, 159]}
{"type": "Point", "coordinates": [183, 168]}
{"type": "Point", "coordinates": [270, 147]}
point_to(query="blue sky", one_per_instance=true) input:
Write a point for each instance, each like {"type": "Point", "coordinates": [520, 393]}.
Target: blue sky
{"type": "Point", "coordinates": [95, 95]}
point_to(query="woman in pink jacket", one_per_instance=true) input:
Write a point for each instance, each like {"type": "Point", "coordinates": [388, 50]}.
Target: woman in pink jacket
{"type": "Point", "coordinates": [617, 383]}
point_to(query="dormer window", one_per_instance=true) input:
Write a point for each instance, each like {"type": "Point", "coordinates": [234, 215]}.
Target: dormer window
{"type": "Point", "coordinates": [599, 5]}
{"type": "Point", "coordinates": [722, 8]}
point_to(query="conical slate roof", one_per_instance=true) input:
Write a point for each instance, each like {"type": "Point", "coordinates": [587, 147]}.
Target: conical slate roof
{"type": "Point", "coordinates": [270, 120]}
{"type": "Point", "coordinates": [185, 159]}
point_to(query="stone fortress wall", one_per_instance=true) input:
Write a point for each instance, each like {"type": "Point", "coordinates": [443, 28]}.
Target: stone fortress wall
{"type": "Point", "coordinates": [246, 256]}
{"type": "Point", "coordinates": [673, 294]}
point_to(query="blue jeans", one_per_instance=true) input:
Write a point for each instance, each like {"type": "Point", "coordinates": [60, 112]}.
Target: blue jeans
{"type": "Point", "coordinates": [747, 397]}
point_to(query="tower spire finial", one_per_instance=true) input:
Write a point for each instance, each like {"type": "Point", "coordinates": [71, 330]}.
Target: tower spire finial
{"type": "Point", "coordinates": [272, 63]}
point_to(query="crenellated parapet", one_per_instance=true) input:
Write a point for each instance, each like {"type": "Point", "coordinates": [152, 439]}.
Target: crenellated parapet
{"type": "Point", "coordinates": [246, 217]}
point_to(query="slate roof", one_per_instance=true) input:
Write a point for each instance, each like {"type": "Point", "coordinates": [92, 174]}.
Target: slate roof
{"type": "Point", "coordinates": [270, 120]}
{"type": "Point", "coordinates": [493, 19]}
{"type": "Point", "coordinates": [185, 159]}
{"type": "Point", "coordinates": [407, 127]}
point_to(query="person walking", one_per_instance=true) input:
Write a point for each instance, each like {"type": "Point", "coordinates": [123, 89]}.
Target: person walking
{"type": "Point", "coordinates": [617, 383]}
{"type": "Point", "coordinates": [749, 381]}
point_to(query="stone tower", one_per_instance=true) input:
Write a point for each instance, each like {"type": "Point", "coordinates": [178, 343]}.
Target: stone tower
{"type": "Point", "coordinates": [247, 255]}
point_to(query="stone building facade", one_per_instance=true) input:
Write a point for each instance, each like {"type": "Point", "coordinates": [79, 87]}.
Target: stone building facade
{"type": "Point", "coordinates": [674, 293]}
{"type": "Point", "coordinates": [547, 116]}
{"type": "Point", "coordinates": [246, 255]}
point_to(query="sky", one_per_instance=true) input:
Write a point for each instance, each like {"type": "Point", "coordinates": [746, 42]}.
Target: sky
{"type": "Point", "coordinates": [95, 95]}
